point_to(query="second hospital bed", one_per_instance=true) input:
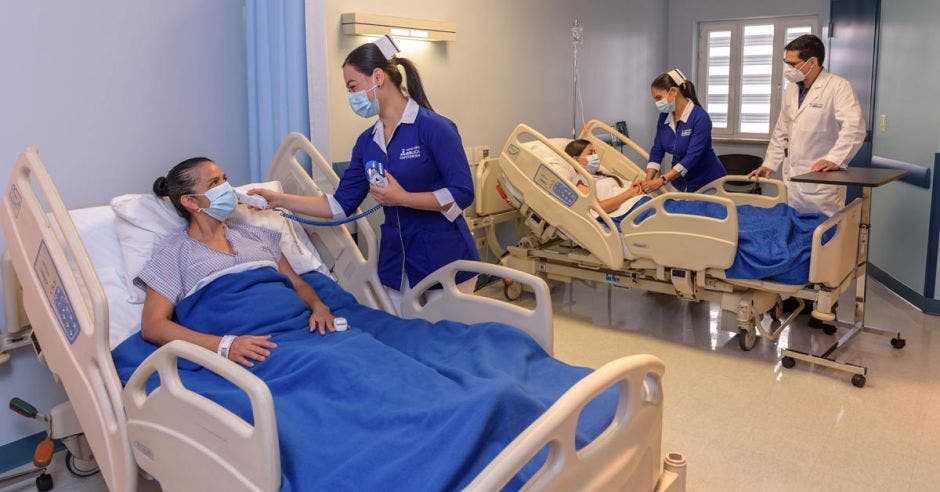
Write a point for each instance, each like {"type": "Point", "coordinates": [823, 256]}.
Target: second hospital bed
{"type": "Point", "coordinates": [568, 236]}
{"type": "Point", "coordinates": [187, 442]}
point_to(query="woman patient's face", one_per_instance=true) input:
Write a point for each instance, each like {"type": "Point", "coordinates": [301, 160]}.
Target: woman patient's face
{"type": "Point", "coordinates": [588, 150]}
{"type": "Point", "coordinates": [207, 176]}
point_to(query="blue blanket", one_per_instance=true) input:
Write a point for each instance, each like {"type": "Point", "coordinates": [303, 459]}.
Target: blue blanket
{"type": "Point", "coordinates": [773, 243]}
{"type": "Point", "coordinates": [390, 404]}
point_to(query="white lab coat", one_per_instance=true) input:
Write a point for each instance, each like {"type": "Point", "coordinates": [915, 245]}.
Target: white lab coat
{"type": "Point", "coordinates": [828, 125]}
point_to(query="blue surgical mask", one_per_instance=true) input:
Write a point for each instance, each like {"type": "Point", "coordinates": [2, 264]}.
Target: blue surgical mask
{"type": "Point", "coordinates": [593, 163]}
{"type": "Point", "coordinates": [664, 106]}
{"type": "Point", "coordinates": [222, 201]}
{"type": "Point", "coordinates": [361, 105]}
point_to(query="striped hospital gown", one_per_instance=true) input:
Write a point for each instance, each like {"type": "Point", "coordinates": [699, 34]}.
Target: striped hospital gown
{"type": "Point", "coordinates": [179, 262]}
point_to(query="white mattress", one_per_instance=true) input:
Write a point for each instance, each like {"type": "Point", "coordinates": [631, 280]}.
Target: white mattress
{"type": "Point", "coordinates": [96, 228]}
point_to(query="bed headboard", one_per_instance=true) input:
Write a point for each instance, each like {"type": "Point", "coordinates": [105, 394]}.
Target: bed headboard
{"type": "Point", "coordinates": [612, 159]}
{"type": "Point", "coordinates": [51, 262]}
{"type": "Point", "coordinates": [354, 271]}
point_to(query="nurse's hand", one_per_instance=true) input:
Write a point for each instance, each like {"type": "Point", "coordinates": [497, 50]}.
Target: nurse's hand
{"type": "Point", "coordinates": [653, 184]}
{"type": "Point", "coordinates": [247, 348]}
{"type": "Point", "coordinates": [274, 199]}
{"type": "Point", "coordinates": [322, 319]}
{"type": "Point", "coordinates": [824, 165]}
{"type": "Point", "coordinates": [392, 194]}
{"type": "Point", "coordinates": [761, 172]}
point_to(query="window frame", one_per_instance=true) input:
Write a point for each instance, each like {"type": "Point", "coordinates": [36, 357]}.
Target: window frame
{"type": "Point", "coordinates": [736, 27]}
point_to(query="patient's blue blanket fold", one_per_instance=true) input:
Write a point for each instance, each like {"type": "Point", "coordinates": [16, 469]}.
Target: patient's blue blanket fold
{"type": "Point", "coordinates": [389, 404]}
{"type": "Point", "coordinates": [774, 243]}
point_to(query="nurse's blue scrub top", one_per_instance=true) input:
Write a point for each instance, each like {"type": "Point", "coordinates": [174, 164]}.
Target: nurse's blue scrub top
{"type": "Point", "coordinates": [425, 154]}
{"type": "Point", "coordinates": [690, 142]}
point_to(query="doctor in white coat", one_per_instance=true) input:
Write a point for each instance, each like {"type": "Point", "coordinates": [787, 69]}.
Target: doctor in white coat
{"type": "Point", "coordinates": [820, 128]}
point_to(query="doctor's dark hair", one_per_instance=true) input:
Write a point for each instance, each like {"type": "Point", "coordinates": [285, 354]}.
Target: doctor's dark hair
{"type": "Point", "coordinates": [686, 88]}
{"type": "Point", "coordinates": [179, 182]}
{"type": "Point", "coordinates": [366, 58]}
{"type": "Point", "coordinates": [809, 46]}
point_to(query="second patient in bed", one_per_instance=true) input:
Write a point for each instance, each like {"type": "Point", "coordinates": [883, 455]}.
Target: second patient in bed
{"type": "Point", "coordinates": [200, 192]}
{"type": "Point", "coordinates": [616, 196]}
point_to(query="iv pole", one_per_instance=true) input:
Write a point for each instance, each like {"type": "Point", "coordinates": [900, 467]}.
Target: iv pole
{"type": "Point", "coordinates": [576, 40]}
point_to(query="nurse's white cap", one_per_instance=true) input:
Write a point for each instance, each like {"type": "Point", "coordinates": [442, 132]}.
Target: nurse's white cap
{"type": "Point", "coordinates": [677, 76]}
{"type": "Point", "coordinates": [388, 46]}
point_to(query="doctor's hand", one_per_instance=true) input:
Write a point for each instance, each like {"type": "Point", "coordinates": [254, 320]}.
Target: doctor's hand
{"type": "Point", "coordinates": [247, 348]}
{"type": "Point", "coordinates": [761, 172]}
{"type": "Point", "coordinates": [824, 165]}
{"type": "Point", "coordinates": [392, 194]}
{"type": "Point", "coordinates": [274, 199]}
{"type": "Point", "coordinates": [322, 319]}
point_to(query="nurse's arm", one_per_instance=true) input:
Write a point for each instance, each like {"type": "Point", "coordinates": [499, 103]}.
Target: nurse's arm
{"type": "Point", "coordinates": [158, 328]}
{"type": "Point", "coordinates": [314, 206]}
{"type": "Point", "coordinates": [392, 194]}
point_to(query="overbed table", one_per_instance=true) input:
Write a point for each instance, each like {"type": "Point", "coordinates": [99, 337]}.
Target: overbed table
{"type": "Point", "coordinates": [867, 179]}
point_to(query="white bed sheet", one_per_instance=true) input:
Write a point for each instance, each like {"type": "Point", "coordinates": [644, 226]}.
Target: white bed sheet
{"type": "Point", "coordinates": [95, 226]}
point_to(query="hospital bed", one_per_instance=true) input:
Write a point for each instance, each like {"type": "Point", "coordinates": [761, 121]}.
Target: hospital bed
{"type": "Point", "coordinates": [566, 235]}
{"type": "Point", "coordinates": [184, 441]}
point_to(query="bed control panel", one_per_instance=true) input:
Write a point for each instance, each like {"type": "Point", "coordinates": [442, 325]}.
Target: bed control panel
{"type": "Point", "coordinates": [58, 299]}
{"type": "Point", "coordinates": [555, 185]}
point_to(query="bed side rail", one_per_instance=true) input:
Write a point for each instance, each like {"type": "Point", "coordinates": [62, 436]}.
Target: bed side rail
{"type": "Point", "coordinates": [773, 191]}
{"type": "Point", "coordinates": [832, 262]}
{"type": "Point", "coordinates": [555, 199]}
{"type": "Point", "coordinates": [467, 308]}
{"type": "Point", "coordinates": [188, 442]}
{"type": "Point", "coordinates": [612, 160]}
{"type": "Point", "coordinates": [676, 240]}
{"type": "Point", "coordinates": [354, 272]}
{"type": "Point", "coordinates": [68, 311]}
{"type": "Point", "coordinates": [626, 456]}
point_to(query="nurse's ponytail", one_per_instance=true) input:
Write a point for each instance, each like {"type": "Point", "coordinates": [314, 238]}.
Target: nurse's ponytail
{"type": "Point", "coordinates": [669, 79]}
{"type": "Point", "coordinates": [368, 57]}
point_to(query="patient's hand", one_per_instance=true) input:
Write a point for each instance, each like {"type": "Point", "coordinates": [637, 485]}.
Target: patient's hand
{"type": "Point", "coordinates": [274, 199]}
{"type": "Point", "coordinates": [321, 319]}
{"type": "Point", "coordinates": [247, 348]}
{"type": "Point", "coordinates": [653, 184]}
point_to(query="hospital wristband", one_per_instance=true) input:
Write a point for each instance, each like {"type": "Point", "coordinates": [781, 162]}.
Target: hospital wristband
{"type": "Point", "coordinates": [225, 345]}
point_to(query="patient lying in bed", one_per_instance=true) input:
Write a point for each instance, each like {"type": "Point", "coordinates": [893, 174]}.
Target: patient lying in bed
{"type": "Point", "coordinates": [614, 196]}
{"type": "Point", "coordinates": [390, 404]}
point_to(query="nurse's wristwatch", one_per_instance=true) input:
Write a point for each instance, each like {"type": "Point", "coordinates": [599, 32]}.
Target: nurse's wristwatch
{"type": "Point", "coordinates": [225, 345]}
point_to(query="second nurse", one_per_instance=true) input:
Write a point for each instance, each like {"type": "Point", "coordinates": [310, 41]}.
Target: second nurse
{"type": "Point", "coordinates": [428, 177]}
{"type": "Point", "coordinates": [684, 130]}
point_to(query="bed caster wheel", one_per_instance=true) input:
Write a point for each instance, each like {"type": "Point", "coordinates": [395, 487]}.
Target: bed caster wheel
{"type": "Point", "coordinates": [898, 343]}
{"type": "Point", "coordinates": [44, 482]}
{"type": "Point", "coordinates": [788, 362]}
{"type": "Point", "coordinates": [80, 468]}
{"type": "Point", "coordinates": [512, 290]}
{"type": "Point", "coordinates": [858, 381]}
{"type": "Point", "coordinates": [746, 339]}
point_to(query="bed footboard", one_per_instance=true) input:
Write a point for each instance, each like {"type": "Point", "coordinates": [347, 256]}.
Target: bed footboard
{"type": "Point", "coordinates": [354, 272]}
{"type": "Point", "coordinates": [174, 429]}
{"type": "Point", "coordinates": [467, 308]}
{"type": "Point", "coordinates": [833, 261]}
{"type": "Point", "coordinates": [626, 456]}
{"type": "Point", "coordinates": [779, 195]}
{"type": "Point", "coordinates": [674, 240]}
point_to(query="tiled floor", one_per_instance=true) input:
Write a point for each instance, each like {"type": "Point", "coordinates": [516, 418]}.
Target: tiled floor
{"type": "Point", "coordinates": [743, 421]}
{"type": "Point", "coordinates": [746, 423]}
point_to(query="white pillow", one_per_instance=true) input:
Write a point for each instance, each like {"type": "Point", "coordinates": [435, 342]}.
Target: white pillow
{"type": "Point", "coordinates": [145, 219]}
{"type": "Point", "coordinates": [552, 158]}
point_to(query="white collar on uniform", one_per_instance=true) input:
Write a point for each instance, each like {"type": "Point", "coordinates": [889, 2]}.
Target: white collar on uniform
{"type": "Point", "coordinates": [408, 117]}
{"type": "Point", "coordinates": [686, 113]}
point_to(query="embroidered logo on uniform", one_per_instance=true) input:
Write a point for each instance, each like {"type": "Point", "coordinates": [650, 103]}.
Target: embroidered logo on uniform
{"type": "Point", "coordinates": [410, 153]}
{"type": "Point", "coordinates": [816, 105]}
{"type": "Point", "coordinates": [686, 132]}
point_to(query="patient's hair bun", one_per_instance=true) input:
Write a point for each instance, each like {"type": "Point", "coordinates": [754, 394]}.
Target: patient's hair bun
{"type": "Point", "coordinates": [161, 187]}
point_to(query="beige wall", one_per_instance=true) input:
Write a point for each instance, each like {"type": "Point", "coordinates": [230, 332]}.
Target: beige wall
{"type": "Point", "coordinates": [511, 63]}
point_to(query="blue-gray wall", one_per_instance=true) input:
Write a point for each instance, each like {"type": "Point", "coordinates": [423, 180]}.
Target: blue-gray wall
{"type": "Point", "coordinates": [906, 91]}
{"type": "Point", "coordinates": [113, 93]}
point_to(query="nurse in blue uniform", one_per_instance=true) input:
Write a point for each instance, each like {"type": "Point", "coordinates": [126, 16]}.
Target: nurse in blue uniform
{"type": "Point", "coordinates": [684, 130]}
{"type": "Point", "coordinates": [428, 177]}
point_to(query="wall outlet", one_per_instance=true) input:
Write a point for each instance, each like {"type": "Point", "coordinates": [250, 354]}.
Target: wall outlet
{"type": "Point", "coordinates": [883, 123]}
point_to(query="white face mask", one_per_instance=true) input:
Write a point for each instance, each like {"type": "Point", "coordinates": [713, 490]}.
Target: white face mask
{"type": "Point", "coordinates": [794, 74]}
{"type": "Point", "coordinates": [593, 163]}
